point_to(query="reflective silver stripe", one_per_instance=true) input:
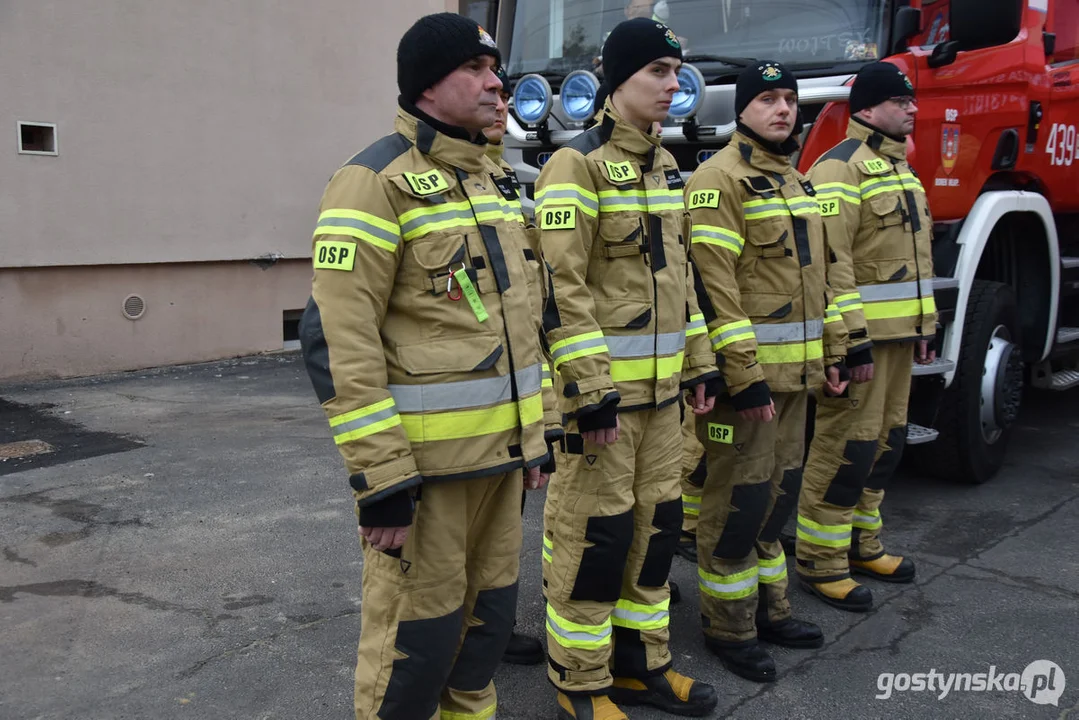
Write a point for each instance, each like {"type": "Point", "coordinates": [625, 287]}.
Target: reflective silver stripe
{"type": "Point", "coordinates": [847, 303]}
{"type": "Point", "coordinates": [926, 287]}
{"type": "Point", "coordinates": [741, 330]}
{"type": "Point", "coordinates": [365, 421]}
{"type": "Point", "coordinates": [422, 220]}
{"type": "Point", "coordinates": [805, 203]}
{"type": "Point", "coordinates": [889, 291]}
{"type": "Point", "coordinates": [490, 205]}
{"type": "Point", "coordinates": [824, 535]}
{"type": "Point", "coordinates": [772, 571]}
{"type": "Point", "coordinates": [553, 626]}
{"type": "Point", "coordinates": [789, 332]}
{"type": "Point", "coordinates": [731, 587]}
{"type": "Point", "coordinates": [769, 206]}
{"type": "Point", "coordinates": [631, 197]}
{"type": "Point", "coordinates": [640, 617]}
{"type": "Point", "coordinates": [579, 345]}
{"type": "Point", "coordinates": [867, 519]}
{"type": "Point", "coordinates": [631, 346]}
{"type": "Point", "coordinates": [465, 393]}
{"type": "Point", "coordinates": [696, 325]}
{"type": "Point", "coordinates": [566, 194]}
{"type": "Point", "coordinates": [390, 237]}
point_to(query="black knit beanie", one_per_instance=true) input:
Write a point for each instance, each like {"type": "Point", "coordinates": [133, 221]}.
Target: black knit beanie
{"type": "Point", "coordinates": [500, 73]}
{"type": "Point", "coordinates": [876, 83]}
{"type": "Point", "coordinates": [761, 77]}
{"type": "Point", "coordinates": [435, 46]}
{"type": "Point", "coordinates": [632, 45]}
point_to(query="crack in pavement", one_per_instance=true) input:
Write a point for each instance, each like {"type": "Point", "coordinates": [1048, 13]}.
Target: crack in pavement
{"type": "Point", "coordinates": [1021, 581]}
{"type": "Point", "coordinates": [197, 667]}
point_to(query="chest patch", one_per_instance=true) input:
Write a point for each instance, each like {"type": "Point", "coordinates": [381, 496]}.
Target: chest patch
{"type": "Point", "coordinates": [703, 199]}
{"type": "Point", "coordinates": [674, 180]}
{"type": "Point", "coordinates": [620, 172]}
{"type": "Point", "coordinates": [506, 187]}
{"type": "Point", "coordinates": [829, 207]}
{"type": "Point", "coordinates": [876, 166]}
{"type": "Point", "coordinates": [426, 183]}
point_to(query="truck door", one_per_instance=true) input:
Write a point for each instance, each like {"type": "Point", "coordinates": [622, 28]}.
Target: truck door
{"type": "Point", "coordinates": [1060, 126]}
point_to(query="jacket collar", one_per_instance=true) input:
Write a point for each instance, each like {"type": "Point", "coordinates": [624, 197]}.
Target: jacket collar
{"type": "Point", "coordinates": [755, 154]}
{"type": "Point", "coordinates": [458, 152]}
{"type": "Point", "coordinates": [494, 151]}
{"type": "Point", "coordinates": [881, 143]}
{"type": "Point", "coordinates": [625, 135]}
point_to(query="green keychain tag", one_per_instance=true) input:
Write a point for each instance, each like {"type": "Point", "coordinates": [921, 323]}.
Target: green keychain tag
{"type": "Point", "coordinates": [473, 297]}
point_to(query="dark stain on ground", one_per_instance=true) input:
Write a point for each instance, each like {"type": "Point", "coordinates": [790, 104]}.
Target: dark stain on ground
{"type": "Point", "coordinates": [12, 556]}
{"type": "Point", "coordinates": [963, 534]}
{"type": "Point", "coordinates": [72, 442]}
{"type": "Point", "coordinates": [239, 603]}
{"type": "Point", "coordinates": [77, 511]}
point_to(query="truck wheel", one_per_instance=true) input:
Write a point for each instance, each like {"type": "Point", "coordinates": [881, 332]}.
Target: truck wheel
{"type": "Point", "coordinates": [979, 409]}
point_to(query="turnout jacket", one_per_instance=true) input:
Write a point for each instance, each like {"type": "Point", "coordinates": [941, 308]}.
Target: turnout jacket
{"type": "Point", "coordinates": [622, 322]}
{"type": "Point", "coordinates": [422, 336]}
{"type": "Point", "coordinates": [758, 246]}
{"type": "Point", "coordinates": [880, 230]}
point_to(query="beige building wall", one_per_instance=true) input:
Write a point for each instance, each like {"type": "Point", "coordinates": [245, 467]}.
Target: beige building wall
{"type": "Point", "coordinates": [192, 138]}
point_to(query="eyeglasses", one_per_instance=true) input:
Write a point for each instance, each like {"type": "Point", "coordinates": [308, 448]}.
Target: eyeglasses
{"type": "Point", "coordinates": [904, 103]}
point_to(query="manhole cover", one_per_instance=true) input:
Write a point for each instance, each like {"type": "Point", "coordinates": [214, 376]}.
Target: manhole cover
{"type": "Point", "coordinates": [24, 448]}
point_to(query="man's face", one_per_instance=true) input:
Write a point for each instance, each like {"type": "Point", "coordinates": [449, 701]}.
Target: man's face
{"type": "Point", "coordinates": [646, 96]}
{"type": "Point", "coordinates": [772, 114]}
{"type": "Point", "coordinates": [639, 9]}
{"type": "Point", "coordinates": [497, 131]}
{"type": "Point", "coordinates": [467, 97]}
{"type": "Point", "coordinates": [894, 116]}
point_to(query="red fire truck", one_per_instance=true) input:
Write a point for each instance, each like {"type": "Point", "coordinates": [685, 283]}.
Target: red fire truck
{"type": "Point", "coordinates": [995, 145]}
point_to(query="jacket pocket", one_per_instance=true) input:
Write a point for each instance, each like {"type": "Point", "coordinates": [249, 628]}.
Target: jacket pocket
{"type": "Point", "coordinates": [881, 271]}
{"type": "Point", "coordinates": [430, 261]}
{"type": "Point", "coordinates": [622, 314]}
{"type": "Point", "coordinates": [887, 209]}
{"type": "Point", "coordinates": [463, 354]}
{"type": "Point", "coordinates": [762, 305]}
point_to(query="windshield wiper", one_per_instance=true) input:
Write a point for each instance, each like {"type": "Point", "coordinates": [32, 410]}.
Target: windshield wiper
{"type": "Point", "coordinates": [738, 62]}
{"type": "Point", "coordinates": [547, 74]}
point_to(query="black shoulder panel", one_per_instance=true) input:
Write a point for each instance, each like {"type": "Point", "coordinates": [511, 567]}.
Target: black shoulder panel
{"type": "Point", "coordinates": [382, 152]}
{"type": "Point", "coordinates": [588, 141]}
{"type": "Point", "coordinates": [316, 354]}
{"type": "Point", "coordinates": [844, 151]}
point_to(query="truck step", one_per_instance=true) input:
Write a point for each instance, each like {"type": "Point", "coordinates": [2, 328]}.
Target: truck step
{"type": "Point", "coordinates": [1067, 335]}
{"type": "Point", "coordinates": [1069, 263]}
{"type": "Point", "coordinates": [917, 434]}
{"type": "Point", "coordinates": [937, 367]}
{"type": "Point", "coordinates": [1064, 380]}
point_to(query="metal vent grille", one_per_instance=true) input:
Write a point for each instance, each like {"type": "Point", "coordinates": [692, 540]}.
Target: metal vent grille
{"type": "Point", "coordinates": [134, 307]}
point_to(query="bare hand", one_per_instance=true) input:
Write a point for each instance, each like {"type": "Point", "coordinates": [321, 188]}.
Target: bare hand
{"type": "Point", "coordinates": [923, 355]}
{"type": "Point", "coordinates": [606, 436]}
{"type": "Point", "coordinates": [385, 538]}
{"type": "Point", "coordinates": [534, 479]}
{"type": "Point", "coordinates": [759, 414]}
{"type": "Point", "coordinates": [833, 386]}
{"type": "Point", "coordinates": [700, 404]}
{"type": "Point", "coordinates": [861, 374]}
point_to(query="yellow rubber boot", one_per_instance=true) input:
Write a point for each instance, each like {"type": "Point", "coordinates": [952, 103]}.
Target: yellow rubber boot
{"type": "Point", "coordinates": [889, 568]}
{"type": "Point", "coordinates": [844, 594]}
{"type": "Point", "coordinates": [588, 707]}
{"type": "Point", "coordinates": [671, 692]}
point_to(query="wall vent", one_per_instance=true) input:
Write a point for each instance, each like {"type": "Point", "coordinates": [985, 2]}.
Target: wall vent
{"type": "Point", "coordinates": [134, 307]}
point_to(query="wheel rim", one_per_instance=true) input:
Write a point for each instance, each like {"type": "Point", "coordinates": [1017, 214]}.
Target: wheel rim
{"type": "Point", "coordinates": [1001, 385]}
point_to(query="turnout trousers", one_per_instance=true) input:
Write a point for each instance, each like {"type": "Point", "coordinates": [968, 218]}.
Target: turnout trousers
{"type": "Point", "coordinates": [611, 526]}
{"type": "Point", "coordinates": [437, 616]}
{"type": "Point", "coordinates": [694, 469]}
{"type": "Point", "coordinates": [751, 488]}
{"type": "Point", "coordinates": [857, 445]}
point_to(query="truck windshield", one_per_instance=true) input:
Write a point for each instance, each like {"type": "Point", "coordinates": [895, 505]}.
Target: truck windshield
{"type": "Point", "coordinates": [558, 36]}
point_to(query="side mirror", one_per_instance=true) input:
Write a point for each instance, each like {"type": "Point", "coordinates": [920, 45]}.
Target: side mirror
{"type": "Point", "coordinates": [907, 24]}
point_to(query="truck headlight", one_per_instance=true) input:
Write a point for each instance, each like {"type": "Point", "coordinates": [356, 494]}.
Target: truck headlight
{"type": "Point", "coordinates": [532, 99]}
{"type": "Point", "coordinates": [578, 95]}
{"type": "Point", "coordinates": [690, 96]}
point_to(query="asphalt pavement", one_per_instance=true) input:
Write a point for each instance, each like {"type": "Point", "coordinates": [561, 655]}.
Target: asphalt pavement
{"type": "Point", "coordinates": [186, 548]}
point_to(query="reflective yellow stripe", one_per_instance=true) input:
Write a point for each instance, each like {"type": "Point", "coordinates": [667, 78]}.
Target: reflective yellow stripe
{"type": "Point", "coordinates": [574, 635]}
{"type": "Point", "coordinates": [718, 236]}
{"type": "Point", "coordinates": [440, 217]}
{"type": "Point", "coordinates": [728, 587]}
{"type": "Point", "coordinates": [646, 368]}
{"type": "Point", "coordinates": [832, 314]}
{"type": "Point", "coordinates": [793, 353]}
{"type": "Point", "coordinates": [567, 194]}
{"type": "Point", "coordinates": [691, 504]}
{"type": "Point", "coordinates": [473, 423]}
{"type": "Point", "coordinates": [363, 226]}
{"type": "Point", "coordinates": [546, 376]}
{"type": "Point", "coordinates": [772, 570]}
{"type": "Point", "coordinates": [641, 617]}
{"type": "Point", "coordinates": [724, 335]}
{"type": "Point", "coordinates": [484, 714]}
{"type": "Point", "coordinates": [849, 302]}
{"type": "Point", "coordinates": [365, 421]}
{"type": "Point", "coordinates": [548, 548]}
{"type": "Point", "coordinates": [870, 520]}
{"type": "Point", "coordinates": [837, 536]}
{"type": "Point", "coordinates": [696, 325]}
{"type": "Point", "coordinates": [591, 343]}
{"type": "Point", "coordinates": [892, 309]}
{"type": "Point", "coordinates": [842, 191]}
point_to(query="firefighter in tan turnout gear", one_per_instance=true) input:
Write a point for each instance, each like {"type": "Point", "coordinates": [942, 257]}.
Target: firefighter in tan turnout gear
{"type": "Point", "coordinates": [879, 230]}
{"type": "Point", "coordinates": [422, 340]}
{"type": "Point", "coordinates": [757, 244]}
{"type": "Point", "coordinates": [626, 339]}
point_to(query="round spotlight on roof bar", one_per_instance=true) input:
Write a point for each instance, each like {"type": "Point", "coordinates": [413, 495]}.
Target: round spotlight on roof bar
{"type": "Point", "coordinates": [532, 99]}
{"type": "Point", "coordinates": [690, 96]}
{"type": "Point", "coordinates": [578, 95]}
